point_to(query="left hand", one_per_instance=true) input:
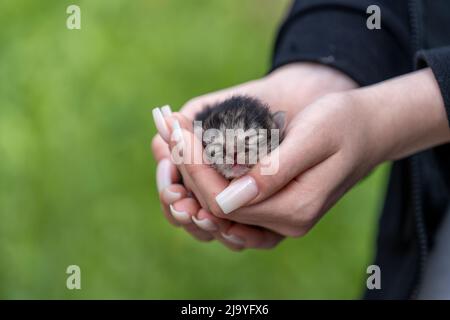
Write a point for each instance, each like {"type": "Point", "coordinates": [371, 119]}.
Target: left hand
{"type": "Point", "coordinates": [289, 88]}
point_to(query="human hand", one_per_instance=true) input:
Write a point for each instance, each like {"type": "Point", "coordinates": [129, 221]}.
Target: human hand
{"type": "Point", "coordinates": [289, 88]}
{"type": "Point", "coordinates": [328, 147]}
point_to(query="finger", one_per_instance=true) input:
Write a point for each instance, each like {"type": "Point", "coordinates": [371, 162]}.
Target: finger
{"type": "Point", "coordinates": [208, 222]}
{"type": "Point", "coordinates": [192, 229]}
{"type": "Point", "coordinates": [166, 211]}
{"type": "Point", "coordinates": [217, 228]}
{"type": "Point", "coordinates": [182, 210]}
{"type": "Point", "coordinates": [234, 236]}
{"type": "Point", "coordinates": [160, 149]}
{"type": "Point", "coordinates": [159, 115]}
{"type": "Point", "coordinates": [173, 193]}
{"type": "Point", "coordinates": [159, 145]}
{"type": "Point", "coordinates": [246, 236]}
{"type": "Point", "coordinates": [197, 233]}
{"type": "Point", "coordinates": [166, 174]}
{"type": "Point", "coordinates": [272, 239]}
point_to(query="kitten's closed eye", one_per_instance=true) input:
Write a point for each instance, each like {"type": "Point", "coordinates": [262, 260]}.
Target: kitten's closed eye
{"type": "Point", "coordinates": [239, 131]}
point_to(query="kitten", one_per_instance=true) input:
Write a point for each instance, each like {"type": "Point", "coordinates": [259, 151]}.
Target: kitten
{"type": "Point", "coordinates": [237, 132]}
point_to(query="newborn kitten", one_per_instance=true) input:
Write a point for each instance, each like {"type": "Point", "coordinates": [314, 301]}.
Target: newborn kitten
{"type": "Point", "coordinates": [251, 122]}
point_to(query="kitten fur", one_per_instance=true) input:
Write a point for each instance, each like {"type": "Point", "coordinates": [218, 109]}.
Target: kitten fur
{"type": "Point", "coordinates": [241, 112]}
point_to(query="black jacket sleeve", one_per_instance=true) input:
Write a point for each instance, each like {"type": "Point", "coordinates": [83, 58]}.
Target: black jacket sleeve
{"type": "Point", "coordinates": [334, 33]}
{"type": "Point", "coordinates": [438, 60]}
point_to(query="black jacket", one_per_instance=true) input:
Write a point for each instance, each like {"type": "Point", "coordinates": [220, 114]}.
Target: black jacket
{"type": "Point", "coordinates": [414, 34]}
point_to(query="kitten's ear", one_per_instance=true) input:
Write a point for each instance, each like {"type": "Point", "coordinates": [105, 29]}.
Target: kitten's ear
{"type": "Point", "coordinates": [280, 120]}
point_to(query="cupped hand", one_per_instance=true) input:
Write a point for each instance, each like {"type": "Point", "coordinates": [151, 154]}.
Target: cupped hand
{"type": "Point", "coordinates": [289, 88]}
{"type": "Point", "coordinates": [328, 147]}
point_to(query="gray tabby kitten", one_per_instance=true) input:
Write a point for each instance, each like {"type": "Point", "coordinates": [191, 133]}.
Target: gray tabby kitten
{"type": "Point", "coordinates": [237, 132]}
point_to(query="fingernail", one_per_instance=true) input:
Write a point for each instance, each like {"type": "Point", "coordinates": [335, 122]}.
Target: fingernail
{"type": "Point", "coordinates": [233, 239]}
{"type": "Point", "coordinates": [177, 134]}
{"type": "Point", "coordinates": [237, 194]}
{"type": "Point", "coordinates": [166, 111]}
{"type": "Point", "coordinates": [163, 174]}
{"type": "Point", "coordinates": [205, 224]}
{"type": "Point", "coordinates": [170, 196]}
{"type": "Point", "coordinates": [160, 124]}
{"type": "Point", "coordinates": [181, 216]}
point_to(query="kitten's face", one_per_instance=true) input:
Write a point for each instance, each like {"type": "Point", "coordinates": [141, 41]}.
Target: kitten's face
{"type": "Point", "coordinates": [238, 133]}
{"type": "Point", "coordinates": [233, 152]}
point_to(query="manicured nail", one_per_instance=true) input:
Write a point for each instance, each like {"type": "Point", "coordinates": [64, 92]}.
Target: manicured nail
{"type": "Point", "coordinates": [180, 216]}
{"type": "Point", "coordinates": [166, 111]}
{"type": "Point", "coordinates": [237, 194]}
{"type": "Point", "coordinates": [205, 224]}
{"type": "Point", "coordinates": [160, 124]}
{"type": "Point", "coordinates": [170, 196]}
{"type": "Point", "coordinates": [233, 239]}
{"type": "Point", "coordinates": [163, 174]}
{"type": "Point", "coordinates": [177, 134]}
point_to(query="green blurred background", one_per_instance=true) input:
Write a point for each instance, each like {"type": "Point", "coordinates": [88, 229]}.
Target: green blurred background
{"type": "Point", "coordinates": [77, 178]}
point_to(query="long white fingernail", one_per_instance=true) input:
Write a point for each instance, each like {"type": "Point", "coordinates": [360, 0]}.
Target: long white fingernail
{"type": "Point", "coordinates": [205, 224]}
{"type": "Point", "coordinates": [233, 239]}
{"type": "Point", "coordinates": [170, 196]}
{"type": "Point", "coordinates": [237, 194]}
{"type": "Point", "coordinates": [160, 124]}
{"type": "Point", "coordinates": [166, 111]}
{"type": "Point", "coordinates": [163, 179]}
{"type": "Point", "coordinates": [177, 134]}
{"type": "Point", "coordinates": [180, 216]}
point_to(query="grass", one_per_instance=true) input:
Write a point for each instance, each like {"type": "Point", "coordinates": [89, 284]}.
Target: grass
{"type": "Point", "coordinates": [77, 183]}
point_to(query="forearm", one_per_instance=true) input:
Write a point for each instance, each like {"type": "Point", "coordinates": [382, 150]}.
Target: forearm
{"type": "Point", "coordinates": [407, 114]}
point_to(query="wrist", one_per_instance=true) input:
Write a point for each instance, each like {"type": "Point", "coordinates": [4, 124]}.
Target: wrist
{"type": "Point", "coordinates": [296, 85]}
{"type": "Point", "coordinates": [405, 115]}
{"type": "Point", "coordinates": [320, 79]}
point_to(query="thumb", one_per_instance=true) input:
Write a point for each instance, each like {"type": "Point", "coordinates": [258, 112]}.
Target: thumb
{"type": "Point", "coordinates": [299, 151]}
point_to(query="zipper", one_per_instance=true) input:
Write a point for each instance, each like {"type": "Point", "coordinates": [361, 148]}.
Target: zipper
{"type": "Point", "coordinates": [414, 7]}
{"type": "Point", "coordinates": [422, 238]}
